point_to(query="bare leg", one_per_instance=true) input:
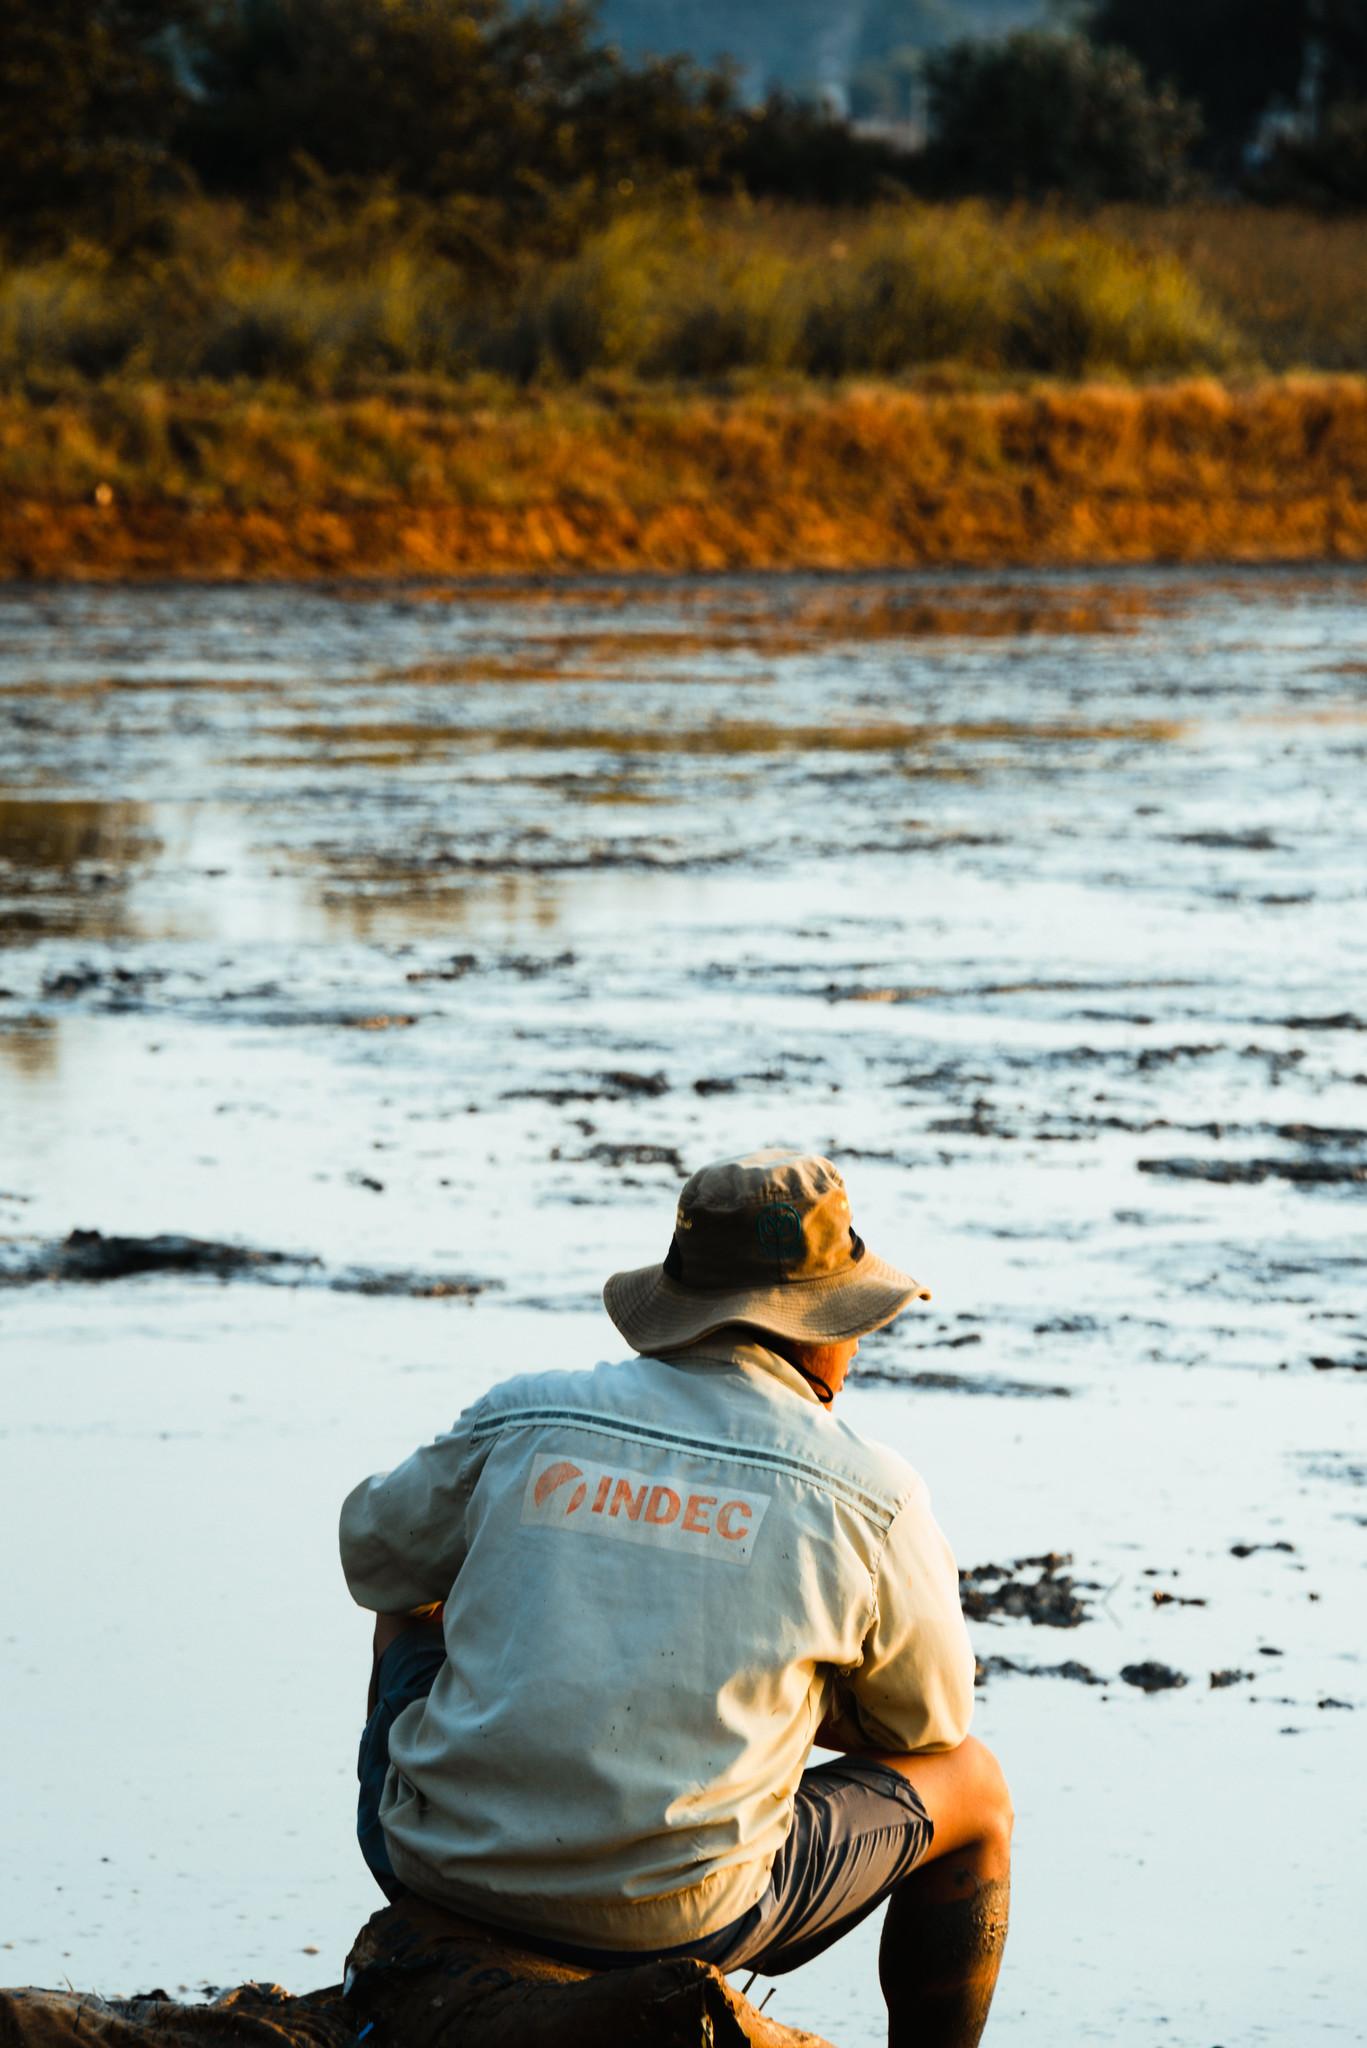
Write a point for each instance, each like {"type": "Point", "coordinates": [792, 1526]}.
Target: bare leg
{"type": "Point", "coordinates": [946, 1923]}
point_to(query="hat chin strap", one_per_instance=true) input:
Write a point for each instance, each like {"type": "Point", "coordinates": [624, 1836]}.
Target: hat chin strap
{"type": "Point", "coordinates": [825, 1394]}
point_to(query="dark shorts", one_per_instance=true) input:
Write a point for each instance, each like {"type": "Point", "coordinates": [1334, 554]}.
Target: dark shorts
{"type": "Point", "coordinates": [858, 1829]}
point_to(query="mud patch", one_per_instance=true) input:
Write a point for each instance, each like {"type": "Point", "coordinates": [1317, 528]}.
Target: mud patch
{"type": "Point", "coordinates": [618, 1157]}
{"type": "Point", "coordinates": [1152, 1677]}
{"type": "Point", "coordinates": [90, 1258]}
{"type": "Point", "coordinates": [992, 1667]}
{"type": "Point", "coordinates": [1051, 1599]}
{"type": "Point", "coordinates": [618, 1086]}
{"type": "Point", "coordinates": [987, 1384]}
{"type": "Point", "coordinates": [1301, 1173]}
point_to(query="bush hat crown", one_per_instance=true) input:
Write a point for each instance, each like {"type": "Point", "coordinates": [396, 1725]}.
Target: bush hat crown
{"type": "Point", "coordinates": [766, 1240]}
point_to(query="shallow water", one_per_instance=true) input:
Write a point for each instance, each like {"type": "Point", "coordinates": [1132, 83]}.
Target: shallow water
{"type": "Point", "coordinates": [429, 935]}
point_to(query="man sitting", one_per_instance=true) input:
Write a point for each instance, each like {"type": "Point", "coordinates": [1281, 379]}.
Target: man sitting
{"type": "Point", "coordinates": [660, 1583]}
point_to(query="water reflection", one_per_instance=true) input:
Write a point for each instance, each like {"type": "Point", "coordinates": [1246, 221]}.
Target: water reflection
{"type": "Point", "coordinates": [67, 864]}
{"type": "Point", "coordinates": [29, 1046]}
{"type": "Point", "coordinates": [71, 832]}
{"type": "Point", "coordinates": [419, 906]}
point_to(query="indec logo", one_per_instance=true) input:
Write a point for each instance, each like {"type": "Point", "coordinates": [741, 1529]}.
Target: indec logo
{"type": "Point", "coordinates": [560, 1474]}
{"type": "Point", "coordinates": [707, 1518]}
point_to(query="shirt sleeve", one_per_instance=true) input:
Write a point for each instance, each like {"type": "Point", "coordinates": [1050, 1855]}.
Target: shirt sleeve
{"type": "Point", "coordinates": [913, 1688]}
{"type": "Point", "coordinates": [402, 1533]}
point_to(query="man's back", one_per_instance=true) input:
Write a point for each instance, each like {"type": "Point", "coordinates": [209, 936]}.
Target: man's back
{"type": "Point", "coordinates": [660, 1578]}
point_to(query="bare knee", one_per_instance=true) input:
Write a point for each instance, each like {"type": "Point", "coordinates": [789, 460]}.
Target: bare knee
{"type": "Point", "coordinates": [990, 1794]}
{"type": "Point", "coordinates": [964, 1790]}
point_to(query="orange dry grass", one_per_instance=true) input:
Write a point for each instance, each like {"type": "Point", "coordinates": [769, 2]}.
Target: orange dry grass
{"type": "Point", "coordinates": [211, 484]}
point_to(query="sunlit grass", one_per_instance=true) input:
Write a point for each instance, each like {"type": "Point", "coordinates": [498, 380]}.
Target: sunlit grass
{"type": "Point", "coordinates": [676, 296]}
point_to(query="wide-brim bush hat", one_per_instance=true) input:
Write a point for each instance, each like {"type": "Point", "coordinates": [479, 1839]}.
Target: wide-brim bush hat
{"type": "Point", "coordinates": [767, 1240]}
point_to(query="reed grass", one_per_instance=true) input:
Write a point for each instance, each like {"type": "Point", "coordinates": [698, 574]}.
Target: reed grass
{"type": "Point", "coordinates": [678, 296]}
{"type": "Point", "coordinates": [122, 480]}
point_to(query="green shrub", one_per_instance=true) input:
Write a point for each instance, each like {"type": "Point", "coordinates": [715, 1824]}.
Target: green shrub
{"type": "Point", "coordinates": [921, 286]}
{"type": "Point", "coordinates": [658, 294]}
{"type": "Point", "coordinates": [1084, 304]}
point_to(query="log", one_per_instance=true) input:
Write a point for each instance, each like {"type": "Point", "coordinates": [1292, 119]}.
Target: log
{"type": "Point", "coordinates": [420, 1977]}
{"type": "Point", "coordinates": [429, 1977]}
{"type": "Point", "coordinates": [251, 2016]}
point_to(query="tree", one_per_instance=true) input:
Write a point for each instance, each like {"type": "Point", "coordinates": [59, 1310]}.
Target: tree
{"type": "Point", "coordinates": [1241, 59]}
{"type": "Point", "coordinates": [89, 96]}
{"type": "Point", "coordinates": [1039, 113]}
{"type": "Point", "coordinates": [523, 119]}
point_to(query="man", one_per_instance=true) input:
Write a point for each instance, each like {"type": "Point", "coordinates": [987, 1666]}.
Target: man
{"type": "Point", "coordinates": [661, 1582]}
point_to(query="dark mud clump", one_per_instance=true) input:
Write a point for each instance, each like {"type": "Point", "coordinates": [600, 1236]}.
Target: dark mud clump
{"type": "Point", "coordinates": [1152, 1677]}
{"type": "Point", "coordinates": [89, 1257]}
{"type": "Point", "coordinates": [408, 1286]}
{"type": "Point", "coordinates": [1258, 840]}
{"type": "Point", "coordinates": [963, 1383]}
{"type": "Point", "coordinates": [994, 1592]}
{"type": "Point", "coordinates": [606, 1153]}
{"type": "Point", "coordinates": [122, 985]}
{"type": "Point", "coordinates": [1249, 1172]}
{"type": "Point", "coordinates": [618, 1085]}
{"type": "Point", "coordinates": [524, 966]}
{"type": "Point", "coordinates": [1081, 1674]}
{"type": "Point", "coordinates": [1342, 1020]}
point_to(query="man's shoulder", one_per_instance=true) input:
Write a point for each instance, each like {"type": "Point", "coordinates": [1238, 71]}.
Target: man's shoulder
{"type": "Point", "coordinates": [883, 1469]}
{"type": "Point", "coordinates": [562, 1388]}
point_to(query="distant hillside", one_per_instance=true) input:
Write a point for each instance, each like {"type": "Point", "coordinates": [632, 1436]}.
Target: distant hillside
{"type": "Point", "coordinates": [858, 53]}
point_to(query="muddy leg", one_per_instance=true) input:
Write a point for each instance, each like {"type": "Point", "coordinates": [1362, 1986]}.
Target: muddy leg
{"type": "Point", "coordinates": [940, 1954]}
{"type": "Point", "coordinates": [946, 1923]}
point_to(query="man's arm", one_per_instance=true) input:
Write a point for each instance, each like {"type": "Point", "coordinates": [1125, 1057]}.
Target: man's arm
{"type": "Point", "coordinates": [913, 1687]}
{"type": "Point", "coordinates": [402, 1533]}
{"type": "Point", "coordinates": [388, 1628]}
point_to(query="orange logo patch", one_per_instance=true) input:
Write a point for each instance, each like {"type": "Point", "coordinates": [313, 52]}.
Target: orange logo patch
{"type": "Point", "coordinates": [707, 1518]}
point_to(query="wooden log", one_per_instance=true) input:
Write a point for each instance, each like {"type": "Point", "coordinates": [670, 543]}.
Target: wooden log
{"type": "Point", "coordinates": [251, 2016]}
{"type": "Point", "coordinates": [431, 1979]}
{"type": "Point", "coordinates": [419, 1977]}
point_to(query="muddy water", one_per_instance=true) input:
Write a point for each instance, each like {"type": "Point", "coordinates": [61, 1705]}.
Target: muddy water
{"type": "Point", "coordinates": [427, 936]}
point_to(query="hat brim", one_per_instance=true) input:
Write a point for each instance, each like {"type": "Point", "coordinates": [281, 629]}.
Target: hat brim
{"type": "Point", "coordinates": [656, 1313]}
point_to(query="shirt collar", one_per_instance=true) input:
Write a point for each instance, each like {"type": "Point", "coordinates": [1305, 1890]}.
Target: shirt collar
{"type": "Point", "coordinates": [747, 1353]}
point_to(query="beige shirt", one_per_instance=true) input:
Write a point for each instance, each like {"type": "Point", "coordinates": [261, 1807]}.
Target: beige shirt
{"type": "Point", "coordinates": [660, 1577]}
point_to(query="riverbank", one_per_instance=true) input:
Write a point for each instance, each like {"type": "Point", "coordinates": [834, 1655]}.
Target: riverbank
{"type": "Point", "coordinates": [214, 483]}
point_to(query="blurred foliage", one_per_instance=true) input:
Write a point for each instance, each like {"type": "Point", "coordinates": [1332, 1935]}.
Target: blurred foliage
{"type": "Point", "coordinates": [1289, 279]}
{"type": "Point", "coordinates": [1326, 170]}
{"type": "Point", "coordinates": [789, 150]}
{"type": "Point", "coordinates": [1242, 58]}
{"type": "Point", "coordinates": [481, 137]}
{"type": "Point", "coordinates": [894, 36]}
{"type": "Point", "coordinates": [675, 294]}
{"type": "Point", "coordinates": [89, 101]}
{"type": "Point", "coordinates": [1040, 113]}
{"type": "Point", "coordinates": [521, 128]}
